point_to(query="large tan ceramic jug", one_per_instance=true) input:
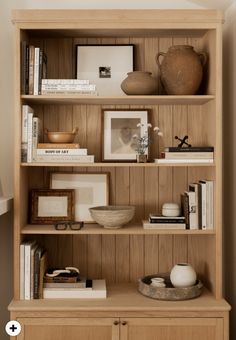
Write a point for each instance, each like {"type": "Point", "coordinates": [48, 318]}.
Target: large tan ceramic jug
{"type": "Point", "coordinates": [181, 69]}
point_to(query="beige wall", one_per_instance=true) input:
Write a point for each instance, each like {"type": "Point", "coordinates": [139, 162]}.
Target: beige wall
{"type": "Point", "coordinates": [230, 161]}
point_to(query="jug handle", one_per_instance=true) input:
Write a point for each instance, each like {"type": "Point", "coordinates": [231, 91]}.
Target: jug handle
{"type": "Point", "coordinates": [203, 57]}
{"type": "Point", "coordinates": [158, 56]}
{"type": "Point", "coordinates": [46, 131]}
{"type": "Point", "coordinates": [75, 130]}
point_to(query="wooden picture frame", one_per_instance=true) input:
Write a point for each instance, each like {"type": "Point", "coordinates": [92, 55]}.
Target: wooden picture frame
{"type": "Point", "coordinates": [50, 206]}
{"type": "Point", "coordinates": [130, 117]}
{"type": "Point", "coordinates": [106, 66]}
{"type": "Point", "coordinates": [91, 189]}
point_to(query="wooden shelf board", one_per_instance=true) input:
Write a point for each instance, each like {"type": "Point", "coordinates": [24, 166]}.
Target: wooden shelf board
{"type": "Point", "coordinates": [119, 100]}
{"type": "Point", "coordinates": [117, 164]}
{"type": "Point", "coordinates": [123, 298]}
{"type": "Point", "coordinates": [95, 229]}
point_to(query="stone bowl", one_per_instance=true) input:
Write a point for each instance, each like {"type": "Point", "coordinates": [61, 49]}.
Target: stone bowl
{"type": "Point", "coordinates": [112, 216]}
{"type": "Point", "coordinates": [168, 293]}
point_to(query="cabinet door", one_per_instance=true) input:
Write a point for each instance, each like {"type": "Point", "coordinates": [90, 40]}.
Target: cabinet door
{"type": "Point", "coordinates": [171, 329]}
{"type": "Point", "coordinates": [69, 329]}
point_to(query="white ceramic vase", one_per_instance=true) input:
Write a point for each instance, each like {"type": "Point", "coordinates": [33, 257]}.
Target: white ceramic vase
{"type": "Point", "coordinates": [183, 275]}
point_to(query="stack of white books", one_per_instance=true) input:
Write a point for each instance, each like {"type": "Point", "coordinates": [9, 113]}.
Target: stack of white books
{"type": "Point", "coordinates": [97, 291]}
{"type": "Point", "coordinates": [196, 154]}
{"type": "Point", "coordinates": [68, 86]}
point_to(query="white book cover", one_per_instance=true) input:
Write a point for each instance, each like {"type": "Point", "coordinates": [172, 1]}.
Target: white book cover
{"type": "Point", "coordinates": [98, 292]}
{"type": "Point", "coordinates": [209, 204]}
{"type": "Point", "coordinates": [63, 152]}
{"type": "Point", "coordinates": [69, 87]}
{"type": "Point", "coordinates": [203, 204]}
{"type": "Point", "coordinates": [22, 271]}
{"type": "Point", "coordinates": [65, 158]}
{"type": "Point", "coordinates": [28, 246]}
{"type": "Point", "coordinates": [169, 226]}
{"type": "Point", "coordinates": [36, 71]}
{"type": "Point", "coordinates": [26, 109]}
{"type": "Point", "coordinates": [65, 81]}
{"type": "Point", "coordinates": [30, 137]}
{"type": "Point", "coordinates": [189, 161]}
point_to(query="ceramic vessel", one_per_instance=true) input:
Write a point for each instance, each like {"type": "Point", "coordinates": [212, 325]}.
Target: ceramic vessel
{"type": "Point", "coordinates": [170, 209]}
{"type": "Point", "coordinates": [112, 216]}
{"type": "Point", "coordinates": [141, 158]}
{"type": "Point", "coordinates": [61, 137]}
{"type": "Point", "coordinates": [181, 70]}
{"type": "Point", "coordinates": [183, 275]}
{"type": "Point", "coordinates": [139, 83]}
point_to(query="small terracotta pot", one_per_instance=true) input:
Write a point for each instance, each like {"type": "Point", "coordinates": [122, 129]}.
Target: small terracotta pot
{"type": "Point", "coordinates": [181, 69]}
{"type": "Point", "coordinates": [139, 83]}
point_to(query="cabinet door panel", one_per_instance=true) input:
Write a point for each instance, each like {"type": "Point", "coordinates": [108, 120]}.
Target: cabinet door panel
{"type": "Point", "coordinates": [68, 329]}
{"type": "Point", "coordinates": [172, 329]}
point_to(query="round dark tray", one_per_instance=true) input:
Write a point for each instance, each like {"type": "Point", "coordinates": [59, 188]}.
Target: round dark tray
{"type": "Point", "coordinates": [169, 292]}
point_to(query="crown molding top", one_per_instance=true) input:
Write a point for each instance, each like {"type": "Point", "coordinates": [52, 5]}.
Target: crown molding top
{"type": "Point", "coordinates": [117, 16]}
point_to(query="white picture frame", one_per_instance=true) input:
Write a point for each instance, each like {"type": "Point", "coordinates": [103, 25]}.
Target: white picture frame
{"type": "Point", "coordinates": [119, 127]}
{"type": "Point", "coordinates": [106, 66]}
{"type": "Point", "coordinates": [91, 189]}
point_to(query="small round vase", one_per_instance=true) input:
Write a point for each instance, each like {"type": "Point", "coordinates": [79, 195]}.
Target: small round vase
{"type": "Point", "coordinates": [139, 83]}
{"type": "Point", "coordinates": [183, 275]}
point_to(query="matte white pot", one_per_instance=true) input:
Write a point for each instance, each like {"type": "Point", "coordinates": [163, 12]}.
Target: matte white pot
{"type": "Point", "coordinates": [183, 275]}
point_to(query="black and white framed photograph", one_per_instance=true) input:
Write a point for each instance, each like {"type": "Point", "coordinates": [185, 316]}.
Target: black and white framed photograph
{"type": "Point", "coordinates": [119, 129]}
{"type": "Point", "coordinates": [105, 66]}
{"type": "Point", "coordinates": [91, 190]}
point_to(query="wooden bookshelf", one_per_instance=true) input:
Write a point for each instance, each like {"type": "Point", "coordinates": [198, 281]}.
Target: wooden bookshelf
{"type": "Point", "coordinates": [124, 255]}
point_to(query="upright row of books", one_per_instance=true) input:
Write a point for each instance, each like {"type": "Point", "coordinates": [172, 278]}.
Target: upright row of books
{"type": "Point", "coordinates": [34, 151]}
{"type": "Point", "coordinates": [32, 269]}
{"type": "Point", "coordinates": [33, 69]}
{"type": "Point", "coordinates": [197, 210]}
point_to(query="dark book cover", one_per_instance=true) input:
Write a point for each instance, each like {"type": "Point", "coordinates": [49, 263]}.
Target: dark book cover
{"type": "Point", "coordinates": [24, 67]}
{"type": "Point", "coordinates": [185, 208]}
{"type": "Point", "coordinates": [191, 149]}
{"type": "Point", "coordinates": [168, 220]}
{"type": "Point", "coordinates": [37, 257]}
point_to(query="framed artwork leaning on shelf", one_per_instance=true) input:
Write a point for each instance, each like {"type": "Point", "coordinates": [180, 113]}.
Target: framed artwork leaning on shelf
{"type": "Point", "coordinates": [105, 66]}
{"type": "Point", "coordinates": [119, 130]}
{"type": "Point", "coordinates": [91, 190]}
{"type": "Point", "coordinates": [49, 206]}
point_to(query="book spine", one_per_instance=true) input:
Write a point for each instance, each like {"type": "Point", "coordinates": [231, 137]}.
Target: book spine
{"type": "Point", "coordinates": [35, 137]}
{"type": "Point", "coordinates": [192, 149]}
{"type": "Point", "coordinates": [40, 73]}
{"type": "Point", "coordinates": [172, 220]}
{"type": "Point", "coordinates": [58, 146]}
{"type": "Point", "coordinates": [203, 205]}
{"type": "Point", "coordinates": [63, 152]}
{"type": "Point", "coordinates": [22, 272]}
{"type": "Point", "coordinates": [192, 210]}
{"type": "Point", "coordinates": [24, 67]}
{"type": "Point", "coordinates": [194, 188]}
{"type": "Point", "coordinates": [169, 226]}
{"type": "Point", "coordinates": [69, 87]}
{"type": "Point", "coordinates": [65, 81]}
{"type": "Point", "coordinates": [37, 257]}
{"type": "Point", "coordinates": [189, 161]}
{"type": "Point", "coordinates": [36, 71]}
{"type": "Point", "coordinates": [94, 93]}
{"type": "Point", "coordinates": [187, 155]}
{"type": "Point", "coordinates": [24, 134]}
{"type": "Point", "coordinates": [27, 272]}
{"type": "Point", "coordinates": [29, 137]}
{"type": "Point", "coordinates": [31, 69]}
{"type": "Point", "coordinates": [32, 253]}
{"type": "Point", "coordinates": [211, 204]}
{"type": "Point", "coordinates": [68, 158]}
{"type": "Point", "coordinates": [185, 208]}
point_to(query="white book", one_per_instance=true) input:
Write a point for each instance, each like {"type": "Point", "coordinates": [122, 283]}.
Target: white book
{"type": "Point", "coordinates": [65, 158]}
{"type": "Point", "coordinates": [36, 133]}
{"type": "Point", "coordinates": [22, 271]}
{"type": "Point", "coordinates": [189, 161]}
{"type": "Point", "coordinates": [193, 220]}
{"type": "Point", "coordinates": [189, 155]}
{"type": "Point", "coordinates": [98, 292]}
{"type": "Point", "coordinates": [209, 203]}
{"type": "Point", "coordinates": [78, 92]}
{"type": "Point", "coordinates": [69, 87]}
{"type": "Point", "coordinates": [36, 70]}
{"type": "Point", "coordinates": [203, 205]}
{"type": "Point", "coordinates": [24, 131]}
{"type": "Point", "coordinates": [30, 137]}
{"type": "Point", "coordinates": [194, 187]}
{"type": "Point", "coordinates": [63, 152]}
{"type": "Point", "coordinates": [28, 246]}
{"type": "Point", "coordinates": [65, 81]}
{"type": "Point", "coordinates": [169, 226]}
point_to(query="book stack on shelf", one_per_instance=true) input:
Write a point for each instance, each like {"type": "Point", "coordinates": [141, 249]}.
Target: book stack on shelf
{"type": "Point", "coordinates": [197, 205]}
{"type": "Point", "coordinates": [197, 154]}
{"type": "Point", "coordinates": [34, 69]}
{"type": "Point", "coordinates": [34, 151]}
{"type": "Point", "coordinates": [68, 86]}
{"type": "Point", "coordinates": [32, 269]}
{"type": "Point", "coordinates": [164, 222]}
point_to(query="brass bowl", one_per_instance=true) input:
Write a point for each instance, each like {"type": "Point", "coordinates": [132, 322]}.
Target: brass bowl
{"type": "Point", "coordinates": [61, 137]}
